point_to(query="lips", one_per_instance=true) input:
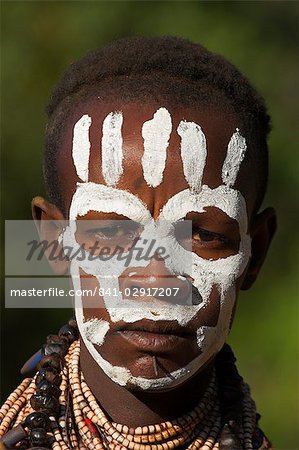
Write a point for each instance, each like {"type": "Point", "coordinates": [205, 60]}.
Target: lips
{"type": "Point", "coordinates": [157, 337]}
{"type": "Point", "coordinates": [158, 327]}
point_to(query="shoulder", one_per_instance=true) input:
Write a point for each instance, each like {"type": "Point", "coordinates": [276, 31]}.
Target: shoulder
{"type": "Point", "coordinates": [260, 441]}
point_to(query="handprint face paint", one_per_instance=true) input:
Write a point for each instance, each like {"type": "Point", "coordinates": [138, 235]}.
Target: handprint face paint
{"type": "Point", "coordinates": [121, 339]}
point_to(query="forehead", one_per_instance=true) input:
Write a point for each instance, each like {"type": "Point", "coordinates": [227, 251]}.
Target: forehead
{"type": "Point", "coordinates": [217, 125]}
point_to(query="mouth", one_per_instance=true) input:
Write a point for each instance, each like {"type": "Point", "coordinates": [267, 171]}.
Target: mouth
{"type": "Point", "coordinates": [155, 337]}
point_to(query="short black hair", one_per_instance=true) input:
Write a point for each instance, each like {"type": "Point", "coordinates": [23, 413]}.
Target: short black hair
{"type": "Point", "coordinates": [147, 68]}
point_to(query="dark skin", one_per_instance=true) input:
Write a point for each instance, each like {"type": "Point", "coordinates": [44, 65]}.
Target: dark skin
{"type": "Point", "coordinates": [128, 405]}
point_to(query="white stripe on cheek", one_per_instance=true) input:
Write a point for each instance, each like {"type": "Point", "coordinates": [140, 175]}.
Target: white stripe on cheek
{"type": "Point", "coordinates": [193, 153]}
{"type": "Point", "coordinates": [81, 146]}
{"type": "Point", "coordinates": [235, 154]}
{"type": "Point", "coordinates": [112, 151]}
{"type": "Point", "coordinates": [156, 133]}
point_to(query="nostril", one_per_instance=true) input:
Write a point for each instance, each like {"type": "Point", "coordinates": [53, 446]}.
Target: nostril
{"type": "Point", "coordinates": [146, 285]}
{"type": "Point", "coordinates": [133, 290]}
{"type": "Point", "coordinates": [196, 296]}
{"type": "Point", "coordinates": [134, 286]}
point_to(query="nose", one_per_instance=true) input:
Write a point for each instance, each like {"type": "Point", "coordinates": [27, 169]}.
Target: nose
{"type": "Point", "coordinates": [155, 281]}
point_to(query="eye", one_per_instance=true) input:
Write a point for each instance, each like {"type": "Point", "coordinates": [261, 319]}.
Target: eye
{"type": "Point", "coordinates": [219, 241]}
{"type": "Point", "coordinates": [115, 231]}
{"type": "Point", "coordinates": [107, 232]}
{"type": "Point", "coordinates": [201, 235]}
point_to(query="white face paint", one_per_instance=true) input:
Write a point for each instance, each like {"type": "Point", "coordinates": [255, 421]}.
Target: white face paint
{"type": "Point", "coordinates": [95, 330]}
{"type": "Point", "coordinates": [81, 146]}
{"type": "Point", "coordinates": [156, 134]}
{"type": "Point", "coordinates": [112, 151]}
{"type": "Point", "coordinates": [207, 274]}
{"type": "Point", "coordinates": [235, 154]}
{"type": "Point", "coordinates": [193, 153]}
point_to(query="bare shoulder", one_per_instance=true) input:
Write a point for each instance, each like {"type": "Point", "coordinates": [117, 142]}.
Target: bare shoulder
{"type": "Point", "coordinates": [260, 441]}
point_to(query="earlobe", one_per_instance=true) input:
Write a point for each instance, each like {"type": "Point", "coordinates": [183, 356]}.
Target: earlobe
{"type": "Point", "coordinates": [50, 223]}
{"type": "Point", "coordinates": [262, 231]}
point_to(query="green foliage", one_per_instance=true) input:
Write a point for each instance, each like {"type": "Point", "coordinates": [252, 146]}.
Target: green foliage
{"type": "Point", "coordinates": [40, 39]}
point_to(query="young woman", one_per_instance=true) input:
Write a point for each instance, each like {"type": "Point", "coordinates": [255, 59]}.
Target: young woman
{"type": "Point", "coordinates": [144, 136]}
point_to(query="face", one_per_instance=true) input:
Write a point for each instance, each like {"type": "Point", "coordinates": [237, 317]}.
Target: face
{"type": "Point", "coordinates": [154, 166]}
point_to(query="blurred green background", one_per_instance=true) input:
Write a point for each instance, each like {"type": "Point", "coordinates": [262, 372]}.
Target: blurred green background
{"type": "Point", "coordinates": [40, 39]}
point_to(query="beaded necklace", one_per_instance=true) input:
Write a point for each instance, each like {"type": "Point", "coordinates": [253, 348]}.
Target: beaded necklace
{"type": "Point", "coordinates": [58, 410]}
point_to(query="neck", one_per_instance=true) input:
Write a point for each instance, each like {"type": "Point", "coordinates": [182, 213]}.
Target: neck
{"type": "Point", "coordinates": [135, 408]}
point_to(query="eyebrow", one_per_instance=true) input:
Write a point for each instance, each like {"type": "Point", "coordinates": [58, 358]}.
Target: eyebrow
{"type": "Point", "coordinates": [209, 215]}
{"type": "Point", "coordinates": [94, 215]}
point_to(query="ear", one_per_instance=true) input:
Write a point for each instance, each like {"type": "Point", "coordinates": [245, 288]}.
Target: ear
{"type": "Point", "coordinates": [262, 232]}
{"type": "Point", "coordinates": [50, 223]}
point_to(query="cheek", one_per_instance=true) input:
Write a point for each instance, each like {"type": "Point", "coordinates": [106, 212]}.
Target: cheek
{"type": "Point", "coordinates": [93, 303]}
{"type": "Point", "coordinates": [218, 284]}
{"type": "Point", "coordinates": [209, 314]}
{"type": "Point", "coordinates": [242, 277]}
{"type": "Point", "coordinates": [91, 314]}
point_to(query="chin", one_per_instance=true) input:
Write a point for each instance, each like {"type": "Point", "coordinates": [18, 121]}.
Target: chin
{"type": "Point", "coordinates": [146, 376]}
{"type": "Point", "coordinates": [158, 384]}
